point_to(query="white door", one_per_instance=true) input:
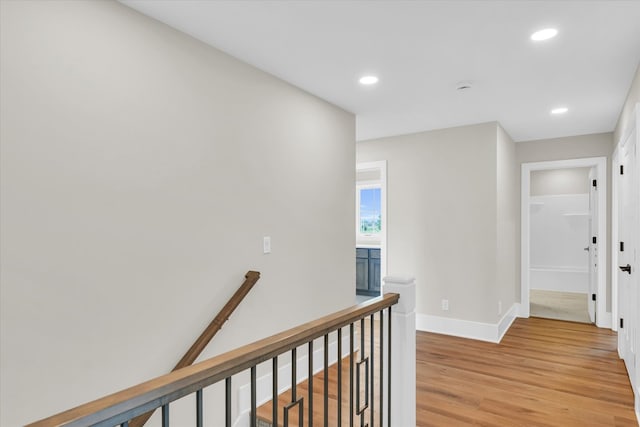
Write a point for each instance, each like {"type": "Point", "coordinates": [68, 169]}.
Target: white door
{"type": "Point", "coordinates": [627, 270]}
{"type": "Point", "coordinates": [592, 246]}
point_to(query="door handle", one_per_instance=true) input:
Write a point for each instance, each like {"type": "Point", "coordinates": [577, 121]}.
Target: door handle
{"type": "Point", "coordinates": [626, 268]}
{"type": "Point", "coordinates": [586, 249]}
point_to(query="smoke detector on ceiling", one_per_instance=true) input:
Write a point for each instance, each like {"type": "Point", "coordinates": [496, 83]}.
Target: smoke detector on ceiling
{"type": "Point", "coordinates": [464, 85]}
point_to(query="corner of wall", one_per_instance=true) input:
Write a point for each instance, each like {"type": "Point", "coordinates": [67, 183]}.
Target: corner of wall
{"type": "Point", "coordinates": [481, 331]}
{"type": "Point", "coordinates": [507, 220]}
{"type": "Point", "coordinates": [626, 113]}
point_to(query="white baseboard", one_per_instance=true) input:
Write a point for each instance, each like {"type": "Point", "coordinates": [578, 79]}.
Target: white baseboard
{"type": "Point", "coordinates": [491, 332]}
{"type": "Point", "coordinates": [507, 320]}
{"type": "Point", "coordinates": [243, 420]}
{"type": "Point", "coordinates": [606, 321]}
{"type": "Point", "coordinates": [264, 383]}
{"type": "Point", "coordinates": [518, 308]}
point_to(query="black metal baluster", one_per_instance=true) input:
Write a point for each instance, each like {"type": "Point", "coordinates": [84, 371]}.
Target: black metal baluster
{"type": "Point", "coordinates": [326, 380]}
{"type": "Point", "coordinates": [389, 369]}
{"type": "Point", "coordinates": [294, 374]}
{"type": "Point", "coordinates": [381, 367]}
{"type": "Point", "coordinates": [294, 391]}
{"type": "Point", "coordinates": [199, 408]}
{"type": "Point", "coordinates": [310, 382]}
{"type": "Point", "coordinates": [340, 377]}
{"type": "Point", "coordinates": [362, 348]}
{"type": "Point", "coordinates": [254, 416]}
{"type": "Point", "coordinates": [351, 375]}
{"type": "Point", "coordinates": [165, 415]}
{"type": "Point", "coordinates": [227, 401]}
{"type": "Point", "coordinates": [274, 391]}
{"type": "Point", "coordinates": [372, 355]}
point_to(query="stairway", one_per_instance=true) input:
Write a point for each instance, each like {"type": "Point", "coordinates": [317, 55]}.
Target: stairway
{"type": "Point", "coordinates": [264, 412]}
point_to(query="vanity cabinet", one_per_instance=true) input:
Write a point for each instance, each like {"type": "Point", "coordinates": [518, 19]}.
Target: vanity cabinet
{"type": "Point", "coordinates": [368, 271]}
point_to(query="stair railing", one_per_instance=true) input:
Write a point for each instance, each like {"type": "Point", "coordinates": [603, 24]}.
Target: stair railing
{"type": "Point", "coordinates": [207, 335]}
{"type": "Point", "coordinates": [120, 408]}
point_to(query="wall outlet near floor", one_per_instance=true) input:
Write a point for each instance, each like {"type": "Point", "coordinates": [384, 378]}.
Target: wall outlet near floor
{"type": "Point", "coordinates": [499, 307]}
{"type": "Point", "coordinates": [445, 305]}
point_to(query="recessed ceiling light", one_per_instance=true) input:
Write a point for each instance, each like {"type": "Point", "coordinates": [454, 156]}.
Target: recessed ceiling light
{"type": "Point", "coordinates": [559, 110]}
{"type": "Point", "coordinates": [368, 80]}
{"type": "Point", "coordinates": [464, 85]}
{"type": "Point", "coordinates": [545, 34]}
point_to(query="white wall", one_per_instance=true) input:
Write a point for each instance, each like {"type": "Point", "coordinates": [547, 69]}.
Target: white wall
{"type": "Point", "coordinates": [442, 192]}
{"type": "Point", "coordinates": [363, 176]}
{"type": "Point", "coordinates": [559, 234]}
{"type": "Point", "coordinates": [140, 170]}
{"type": "Point", "coordinates": [559, 229]}
{"type": "Point", "coordinates": [572, 147]}
{"type": "Point", "coordinates": [559, 181]}
{"type": "Point", "coordinates": [507, 219]}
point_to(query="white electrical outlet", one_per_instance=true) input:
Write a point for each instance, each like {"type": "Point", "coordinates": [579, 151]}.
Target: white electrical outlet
{"type": "Point", "coordinates": [266, 244]}
{"type": "Point", "coordinates": [445, 305]}
{"type": "Point", "coordinates": [499, 307]}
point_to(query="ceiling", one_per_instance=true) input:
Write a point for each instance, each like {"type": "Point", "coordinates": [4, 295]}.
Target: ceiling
{"type": "Point", "coordinates": [420, 50]}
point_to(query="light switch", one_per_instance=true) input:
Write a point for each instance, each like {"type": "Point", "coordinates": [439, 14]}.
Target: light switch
{"type": "Point", "coordinates": [266, 244]}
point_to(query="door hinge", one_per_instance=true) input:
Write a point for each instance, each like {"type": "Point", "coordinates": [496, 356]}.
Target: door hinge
{"type": "Point", "coordinates": [621, 169]}
{"type": "Point", "coordinates": [621, 246]}
{"type": "Point", "coordinates": [594, 240]}
{"type": "Point", "coordinates": [621, 322]}
{"type": "Point", "coordinates": [593, 297]}
{"type": "Point", "coordinates": [594, 183]}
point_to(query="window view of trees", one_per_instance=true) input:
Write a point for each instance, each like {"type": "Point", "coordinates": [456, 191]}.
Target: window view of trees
{"type": "Point", "coordinates": [370, 211]}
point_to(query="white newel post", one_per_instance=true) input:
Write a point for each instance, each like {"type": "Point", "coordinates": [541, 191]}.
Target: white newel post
{"type": "Point", "coordinates": [403, 350]}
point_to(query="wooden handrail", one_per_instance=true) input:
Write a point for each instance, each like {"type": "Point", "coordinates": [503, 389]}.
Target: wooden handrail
{"type": "Point", "coordinates": [216, 324]}
{"type": "Point", "coordinates": [129, 403]}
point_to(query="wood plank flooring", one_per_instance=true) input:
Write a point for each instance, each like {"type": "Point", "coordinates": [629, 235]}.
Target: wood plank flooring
{"type": "Point", "coordinates": [543, 373]}
{"type": "Point", "coordinates": [569, 306]}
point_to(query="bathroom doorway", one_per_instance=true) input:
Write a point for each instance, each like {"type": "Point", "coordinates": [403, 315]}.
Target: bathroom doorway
{"type": "Point", "coordinates": [370, 229]}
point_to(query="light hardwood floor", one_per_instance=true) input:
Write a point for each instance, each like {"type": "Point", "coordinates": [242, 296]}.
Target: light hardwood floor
{"type": "Point", "coordinates": [543, 373]}
{"type": "Point", "coordinates": [569, 306]}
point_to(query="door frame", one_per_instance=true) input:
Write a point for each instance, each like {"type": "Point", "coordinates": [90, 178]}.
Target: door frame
{"type": "Point", "coordinates": [593, 253]}
{"type": "Point", "coordinates": [600, 163]}
{"type": "Point", "coordinates": [382, 167]}
{"type": "Point", "coordinates": [615, 162]}
{"type": "Point", "coordinates": [615, 166]}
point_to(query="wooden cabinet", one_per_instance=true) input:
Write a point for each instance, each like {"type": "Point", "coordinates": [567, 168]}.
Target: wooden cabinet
{"type": "Point", "coordinates": [368, 271]}
{"type": "Point", "coordinates": [362, 273]}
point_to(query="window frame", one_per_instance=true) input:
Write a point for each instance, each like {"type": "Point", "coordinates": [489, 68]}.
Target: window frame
{"type": "Point", "coordinates": [377, 237]}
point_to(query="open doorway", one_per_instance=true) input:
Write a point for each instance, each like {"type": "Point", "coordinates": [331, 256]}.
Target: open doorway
{"type": "Point", "coordinates": [561, 267]}
{"type": "Point", "coordinates": [564, 240]}
{"type": "Point", "coordinates": [370, 228]}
